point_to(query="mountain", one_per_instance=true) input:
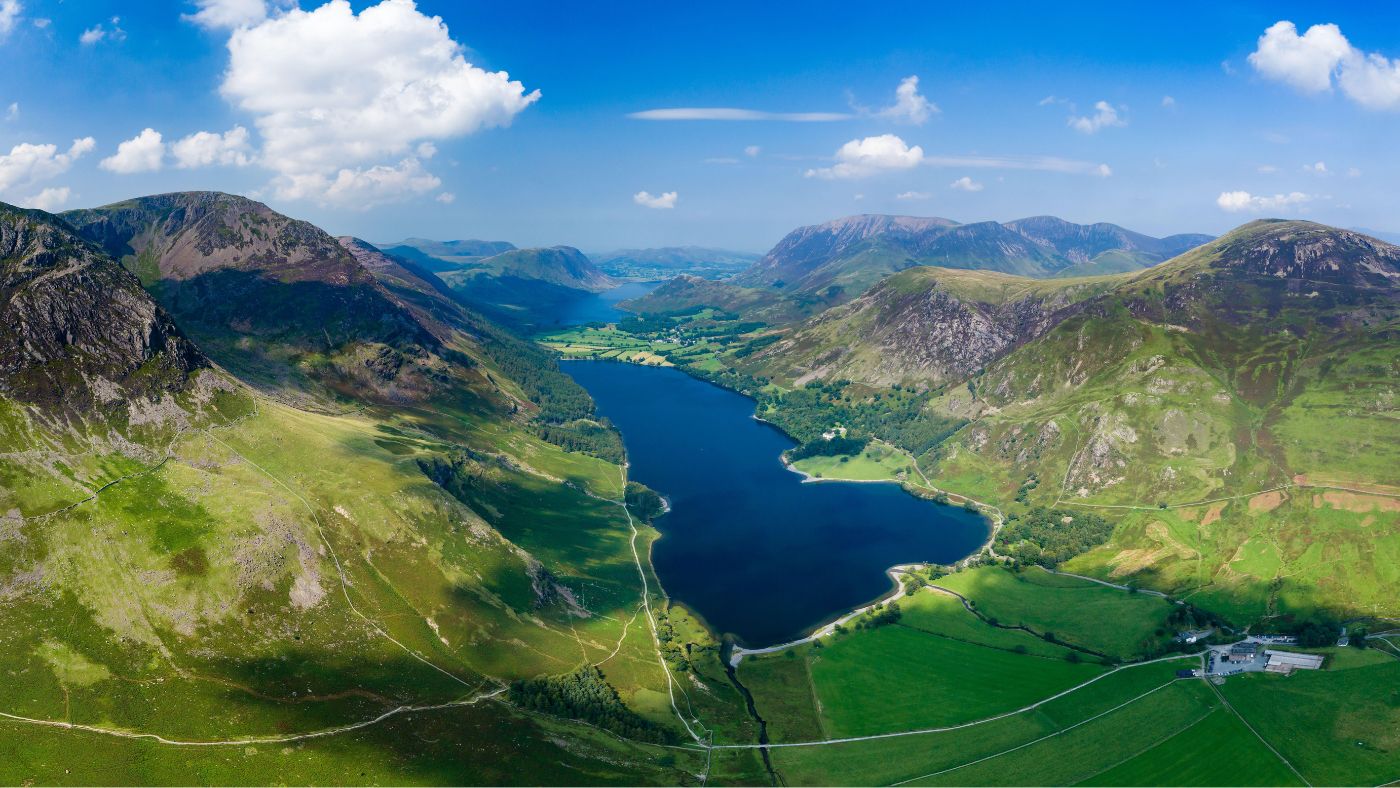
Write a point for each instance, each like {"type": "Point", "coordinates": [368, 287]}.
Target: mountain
{"type": "Point", "coordinates": [840, 259]}
{"type": "Point", "coordinates": [926, 326]}
{"type": "Point", "coordinates": [1256, 371]}
{"type": "Point", "coordinates": [668, 261]}
{"type": "Point", "coordinates": [1388, 237]}
{"type": "Point", "coordinates": [444, 255]}
{"type": "Point", "coordinates": [275, 300]}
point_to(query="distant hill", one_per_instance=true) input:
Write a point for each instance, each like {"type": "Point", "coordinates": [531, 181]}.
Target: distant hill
{"type": "Point", "coordinates": [667, 261]}
{"type": "Point", "coordinates": [444, 255]}
{"type": "Point", "coordinates": [840, 259]}
{"type": "Point", "coordinates": [1388, 237]}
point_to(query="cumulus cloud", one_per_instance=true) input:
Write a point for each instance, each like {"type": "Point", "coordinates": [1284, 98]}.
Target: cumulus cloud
{"type": "Point", "coordinates": [446, 198]}
{"type": "Point", "coordinates": [966, 184]}
{"type": "Point", "coordinates": [1105, 115]}
{"type": "Point", "coordinates": [143, 153]}
{"type": "Point", "coordinates": [204, 148]}
{"type": "Point", "coordinates": [912, 196]}
{"type": "Point", "coordinates": [227, 14]}
{"type": "Point", "coordinates": [734, 113]}
{"type": "Point", "coordinates": [1321, 57]}
{"type": "Point", "coordinates": [26, 163]}
{"type": "Point", "coordinates": [335, 93]}
{"type": "Point", "coordinates": [9, 16]}
{"type": "Point", "coordinates": [1320, 168]}
{"type": "Point", "coordinates": [50, 199]}
{"type": "Point", "coordinates": [661, 201]}
{"type": "Point", "coordinates": [870, 156]}
{"type": "Point", "coordinates": [1242, 201]}
{"type": "Point", "coordinates": [752, 151]}
{"type": "Point", "coordinates": [909, 105]}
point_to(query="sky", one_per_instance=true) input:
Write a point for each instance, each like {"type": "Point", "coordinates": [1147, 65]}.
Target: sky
{"type": "Point", "coordinates": [613, 125]}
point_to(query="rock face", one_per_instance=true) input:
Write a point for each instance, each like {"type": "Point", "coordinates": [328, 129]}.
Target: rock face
{"type": "Point", "coordinates": [924, 325]}
{"type": "Point", "coordinates": [838, 260]}
{"type": "Point", "coordinates": [78, 334]}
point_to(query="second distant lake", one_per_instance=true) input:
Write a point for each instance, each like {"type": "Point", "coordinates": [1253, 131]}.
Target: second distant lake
{"type": "Point", "coordinates": [747, 545]}
{"type": "Point", "coordinates": [602, 307]}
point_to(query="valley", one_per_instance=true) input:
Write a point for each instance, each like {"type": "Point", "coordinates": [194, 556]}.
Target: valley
{"type": "Point", "coordinates": [270, 542]}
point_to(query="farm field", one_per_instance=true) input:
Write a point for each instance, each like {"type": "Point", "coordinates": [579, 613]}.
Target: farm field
{"type": "Point", "coordinates": [1086, 614]}
{"type": "Point", "coordinates": [887, 761]}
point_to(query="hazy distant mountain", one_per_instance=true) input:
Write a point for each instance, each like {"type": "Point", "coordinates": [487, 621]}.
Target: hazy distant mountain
{"type": "Point", "coordinates": [444, 255]}
{"type": "Point", "coordinates": [667, 261]}
{"type": "Point", "coordinates": [840, 259]}
{"type": "Point", "coordinates": [1388, 237]}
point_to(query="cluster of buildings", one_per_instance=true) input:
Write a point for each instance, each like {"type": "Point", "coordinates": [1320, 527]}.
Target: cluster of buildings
{"type": "Point", "coordinates": [1252, 654]}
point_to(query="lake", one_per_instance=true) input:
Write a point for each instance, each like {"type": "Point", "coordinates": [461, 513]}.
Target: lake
{"type": "Point", "coordinates": [747, 545]}
{"type": "Point", "coordinates": [602, 307]}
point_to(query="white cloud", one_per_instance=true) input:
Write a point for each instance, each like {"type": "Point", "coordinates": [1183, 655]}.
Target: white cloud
{"type": "Point", "coordinates": [99, 32]}
{"type": "Point", "coordinates": [446, 198]}
{"type": "Point", "coordinates": [227, 14]}
{"type": "Point", "coordinates": [663, 201]}
{"type": "Point", "coordinates": [1305, 62]}
{"type": "Point", "coordinates": [966, 184]}
{"type": "Point", "coordinates": [1168, 102]}
{"type": "Point", "coordinates": [1320, 168]}
{"type": "Point", "coordinates": [857, 197]}
{"type": "Point", "coordinates": [143, 153]}
{"type": "Point", "coordinates": [733, 113]}
{"type": "Point", "coordinates": [43, 23]}
{"type": "Point", "coordinates": [909, 105]}
{"type": "Point", "coordinates": [26, 164]}
{"type": "Point", "coordinates": [912, 196]}
{"type": "Point", "coordinates": [869, 156]}
{"type": "Point", "coordinates": [1310, 62]}
{"type": "Point", "coordinates": [50, 199]}
{"type": "Point", "coordinates": [12, 111]}
{"type": "Point", "coordinates": [1239, 201]}
{"type": "Point", "coordinates": [1267, 169]}
{"type": "Point", "coordinates": [204, 148]}
{"type": "Point", "coordinates": [9, 16]}
{"type": "Point", "coordinates": [1052, 99]}
{"type": "Point", "coordinates": [752, 151]}
{"type": "Point", "coordinates": [335, 93]}
{"type": "Point", "coordinates": [1105, 115]}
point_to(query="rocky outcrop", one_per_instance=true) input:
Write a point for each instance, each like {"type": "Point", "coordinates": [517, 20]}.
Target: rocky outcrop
{"type": "Point", "coordinates": [78, 334]}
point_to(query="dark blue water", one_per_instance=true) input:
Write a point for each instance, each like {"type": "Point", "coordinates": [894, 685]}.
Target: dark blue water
{"type": "Point", "coordinates": [602, 307]}
{"type": "Point", "coordinates": [747, 545]}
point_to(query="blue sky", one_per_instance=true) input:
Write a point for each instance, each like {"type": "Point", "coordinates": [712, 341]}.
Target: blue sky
{"type": "Point", "coordinates": [1018, 110]}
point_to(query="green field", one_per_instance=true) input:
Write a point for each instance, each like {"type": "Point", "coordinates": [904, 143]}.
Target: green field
{"type": "Point", "coordinates": [889, 760]}
{"type": "Point", "coordinates": [878, 462]}
{"type": "Point", "coordinates": [1338, 727]}
{"type": "Point", "coordinates": [1115, 622]}
{"type": "Point", "coordinates": [1217, 750]}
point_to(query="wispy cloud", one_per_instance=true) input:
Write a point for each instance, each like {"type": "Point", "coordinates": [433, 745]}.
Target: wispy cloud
{"type": "Point", "coordinates": [912, 196]}
{"type": "Point", "coordinates": [1105, 116]}
{"type": "Point", "coordinates": [1041, 163]}
{"type": "Point", "coordinates": [734, 113]}
{"type": "Point", "coordinates": [910, 106]}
